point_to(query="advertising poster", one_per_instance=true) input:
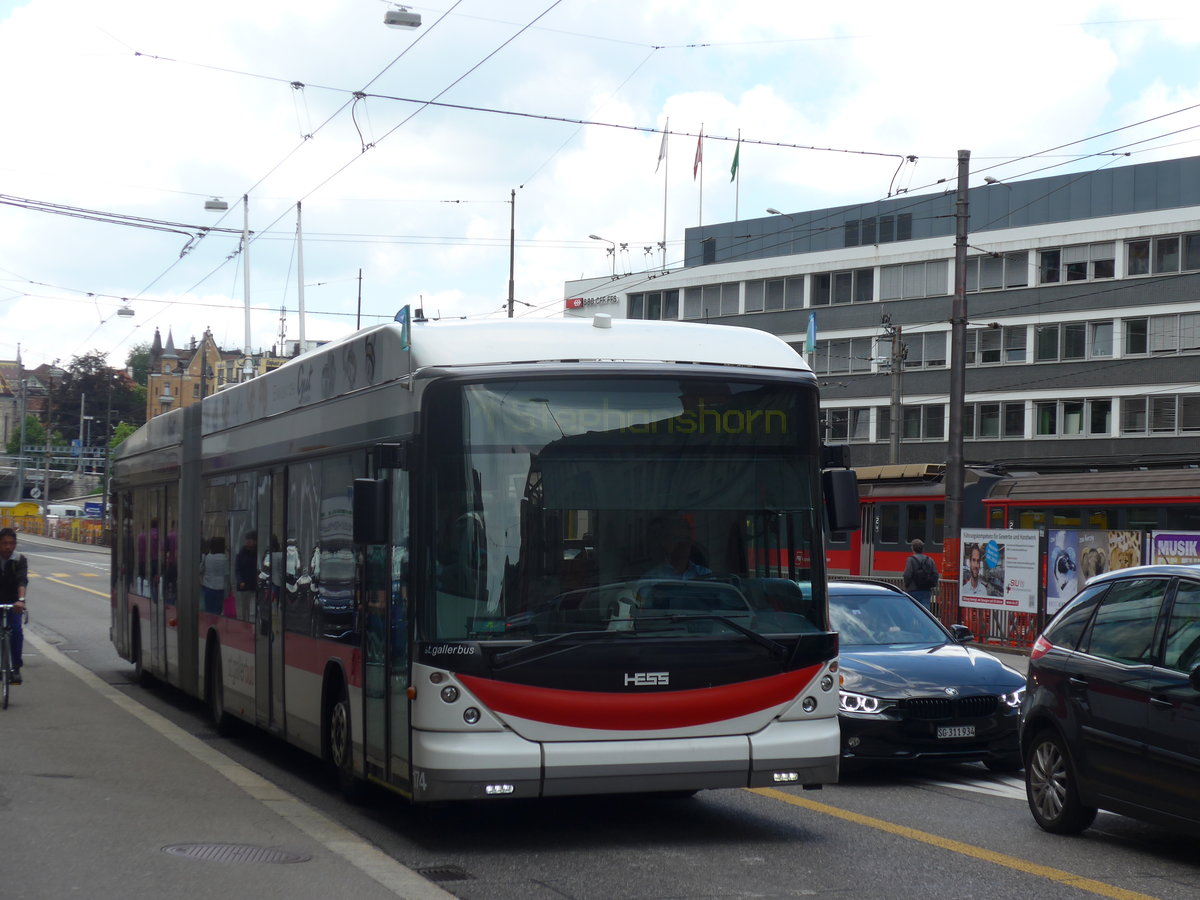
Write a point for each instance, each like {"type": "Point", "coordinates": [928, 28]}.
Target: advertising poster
{"type": "Point", "coordinates": [1072, 557]}
{"type": "Point", "coordinates": [1175, 548]}
{"type": "Point", "coordinates": [999, 569]}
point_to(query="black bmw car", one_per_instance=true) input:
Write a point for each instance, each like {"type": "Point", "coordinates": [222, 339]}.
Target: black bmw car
{"type": "Point", "coordinates": [914, 690]}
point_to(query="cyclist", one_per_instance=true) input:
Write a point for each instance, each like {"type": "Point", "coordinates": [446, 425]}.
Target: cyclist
{"type": "Point", "coordinates": [14, 578]}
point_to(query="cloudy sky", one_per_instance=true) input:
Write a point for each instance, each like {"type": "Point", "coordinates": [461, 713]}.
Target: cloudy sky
{"type": "Point", "coordinates": [121, 118]}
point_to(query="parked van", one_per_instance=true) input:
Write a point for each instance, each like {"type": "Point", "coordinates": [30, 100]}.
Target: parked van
{"type": "Point", "coordinates": [65, 511]}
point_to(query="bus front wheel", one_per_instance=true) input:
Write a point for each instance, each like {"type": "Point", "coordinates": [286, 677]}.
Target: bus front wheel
{"type": "Point", "coordinates": [339, 741]}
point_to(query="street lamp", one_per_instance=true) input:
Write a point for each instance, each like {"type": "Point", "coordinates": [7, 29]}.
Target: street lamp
{"type": "Point", "coordinates": [612, 251]}
{"type": "Point", "coordinates": [401, 17]}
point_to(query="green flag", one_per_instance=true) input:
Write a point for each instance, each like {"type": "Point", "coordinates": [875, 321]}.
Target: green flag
{"type": "Point", "coordinates": [736, 155]}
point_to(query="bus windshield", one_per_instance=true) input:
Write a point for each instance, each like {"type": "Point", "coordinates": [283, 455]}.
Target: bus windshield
{"type": "Point", "coordinates": [644, 505]}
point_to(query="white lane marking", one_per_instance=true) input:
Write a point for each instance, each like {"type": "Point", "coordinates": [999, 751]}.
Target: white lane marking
{"type": "Point", "coordinates": [1006, 786]}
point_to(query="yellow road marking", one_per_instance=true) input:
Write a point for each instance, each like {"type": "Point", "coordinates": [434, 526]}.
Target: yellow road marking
{"type": "Point", "coordinates": [77, 587]}
{"type": "Point", "coordinates": [1000, 859]}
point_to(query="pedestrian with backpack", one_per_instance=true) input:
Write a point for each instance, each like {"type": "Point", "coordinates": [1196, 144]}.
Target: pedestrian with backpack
{"type": "Point", "coordinates": [920, 575]}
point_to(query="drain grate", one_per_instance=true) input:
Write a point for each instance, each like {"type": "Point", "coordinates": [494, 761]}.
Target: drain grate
{"type": "Point", "coordinates": [235, 853]}
{"type": "Point", "coordinates": [445, 873]}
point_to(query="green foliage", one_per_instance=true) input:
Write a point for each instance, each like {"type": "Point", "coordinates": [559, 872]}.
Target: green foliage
{"type": "Point", "coordinates": [138, 363]}
{"type": "Point", "coordinates": [35, 436]}
{"type": "Point", "coordinates": [122, 431]}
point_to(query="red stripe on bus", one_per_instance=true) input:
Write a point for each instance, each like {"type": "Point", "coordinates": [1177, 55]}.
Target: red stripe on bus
{"type": "Point", "coordinates": [638, 712]}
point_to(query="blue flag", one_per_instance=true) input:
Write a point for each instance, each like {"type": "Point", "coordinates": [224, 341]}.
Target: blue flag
{"type": "Point", "coordinates": [810, 339]}
{"type": "Point", "coordinates": [403, 318]}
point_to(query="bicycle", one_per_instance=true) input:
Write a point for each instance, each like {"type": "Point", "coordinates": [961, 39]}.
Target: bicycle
{"type": "Point", "coordinates": [6, 671]}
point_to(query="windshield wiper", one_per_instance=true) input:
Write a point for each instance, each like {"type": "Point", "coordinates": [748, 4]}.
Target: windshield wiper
{"type": "Point", "coordinates": [539, 648]}
{"type": "Point", "coordinates": [778, 650]}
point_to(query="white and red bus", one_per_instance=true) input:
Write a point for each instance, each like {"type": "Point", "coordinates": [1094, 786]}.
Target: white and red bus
{"type": "Point", "coordinates": [501, 558]}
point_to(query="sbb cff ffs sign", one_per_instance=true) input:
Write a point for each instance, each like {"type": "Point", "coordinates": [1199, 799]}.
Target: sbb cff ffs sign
{"type": "Point", "coordinates": [585, 302]}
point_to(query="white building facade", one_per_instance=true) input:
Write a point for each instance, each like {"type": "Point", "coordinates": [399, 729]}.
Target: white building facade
{"type": "Point", "coordinates": [1083, 301]}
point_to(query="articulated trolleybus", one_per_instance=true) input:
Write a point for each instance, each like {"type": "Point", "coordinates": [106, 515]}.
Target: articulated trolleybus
{"type": "Point", "coordinates": [500, 558]}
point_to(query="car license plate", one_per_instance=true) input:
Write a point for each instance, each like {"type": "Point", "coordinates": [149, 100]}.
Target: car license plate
{"type": "Point", "coordinates": [956, 731]}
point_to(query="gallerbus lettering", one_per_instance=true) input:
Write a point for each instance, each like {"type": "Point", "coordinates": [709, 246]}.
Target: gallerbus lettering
{"type": "Point", "coordinates": [459, 570]}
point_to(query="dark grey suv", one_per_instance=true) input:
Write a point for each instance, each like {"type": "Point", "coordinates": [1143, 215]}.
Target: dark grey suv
{"type": "Point", "coordinates": [1111, 714]}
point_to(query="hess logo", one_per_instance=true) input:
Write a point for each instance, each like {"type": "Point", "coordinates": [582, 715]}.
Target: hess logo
{"type": "Point", "coordinates": [647, 679]}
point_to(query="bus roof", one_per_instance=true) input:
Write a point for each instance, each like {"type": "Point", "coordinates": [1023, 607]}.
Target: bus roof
{"type": "Point", "coordinates": [377, 354]}
{"type": "Point", "coordinates": [461, 342]}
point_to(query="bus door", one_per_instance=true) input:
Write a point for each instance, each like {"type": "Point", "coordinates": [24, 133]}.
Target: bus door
{"type": "Point", "coordinates": [268, 648]}
{"type": "Point", "coordinates": [865, 540]}
{"type": "Point", "coordinates": [385, 588]}
{"type": "Point", "coordinates": [151, 549]}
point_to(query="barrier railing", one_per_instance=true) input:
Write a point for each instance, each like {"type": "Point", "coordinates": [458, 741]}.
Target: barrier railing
{"type": "Point", "coordinates": [79, 531]}
{"type": "Point", "coordinates": [995, 628]}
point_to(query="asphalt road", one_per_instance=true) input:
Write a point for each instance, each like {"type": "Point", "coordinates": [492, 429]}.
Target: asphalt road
{"type": "Point", "coordinates": [924, 832]}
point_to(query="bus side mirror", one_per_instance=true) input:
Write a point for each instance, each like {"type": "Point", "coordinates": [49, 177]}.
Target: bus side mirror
{"type": "Point", "coordinates": [840, 487]}
{"type": "Point", "coordinates": [370, 511]}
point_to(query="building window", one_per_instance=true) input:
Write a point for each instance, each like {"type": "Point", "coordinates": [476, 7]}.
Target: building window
{"type": "Point", "coordinates": [1162, 335]}
{"type": "Point", "coordinates": [882, 230]}
{"type": "Point", "coordinates": [996, 420]}
{"type": "Point", "coordinates": [692, 298]}
{"type": "Point", "coordinates": [992, 346]}
{"type": "Point", "coordinates": [754, 296]}
{"type": "Point", "coordinates": [1137, 258]}
{"type": "Point", "coordinates": [1073, 418]}
{"type": "Point", "coordinates": [838, 357]}
{"type": "Point", "coordinates": [1161, 415]}
{"type": "Point", "coordinates": [841, 425]}
{"type": "Point", "coordinates": [997, 271]}
{"type": "Point", "coordinates": [654, 305]}
{"type": "Point", "coordinates": [853, 286]}
{"type": "Point", "coordinates": [923, 423]}
{"type": "Point", "coordinates": [1166, 255]}
{"type": "Point", "coordinates": [903, 282]}
{"type": "Point", "coordinates": [1081, 262]}
{"type": "Point", "coordinates": [1191, 252]}
{"type": "Point", "coordinates": [925, 351]}
{"type": "Point", "coordinates": [1163, 255]}
{"type": "Point", "coordinates": [1072, 341]}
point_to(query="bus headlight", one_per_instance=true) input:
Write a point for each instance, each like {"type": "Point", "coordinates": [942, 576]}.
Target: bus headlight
{"type": "Point", "coordinates": [471, 715]}
{"type": "Point", "coordinates": [449, 693]}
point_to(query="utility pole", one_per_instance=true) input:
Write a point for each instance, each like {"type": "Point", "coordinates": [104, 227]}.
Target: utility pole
{"type": "Point", "coordinates": [46, 463]}
{"type": "Point", "coordinates": [512, 248]}
{"type": "Point", "coordinates": [899, 352]}
{"type": "Point", "coordinates": [955, 474]}
{"type": "Point", "coordinates": [21, 446]}
{"type": "Point", "coordinates": [82, 398]}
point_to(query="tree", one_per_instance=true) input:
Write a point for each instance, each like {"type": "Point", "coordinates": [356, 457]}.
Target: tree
{"type": "Point", "coordinates": [35, 436]}
{"type": "Point", "coordinates": [107, 396]}
{"type": "Point", "coordinates": [122, 431]}
{"type": "Point", "coordinates": [138, 363]}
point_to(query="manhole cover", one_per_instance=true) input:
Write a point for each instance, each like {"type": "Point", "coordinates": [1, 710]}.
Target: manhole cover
{"type": "Point", "coordinates": [235, 853]}
{"type": "Point", "coordinates": [445, 873]}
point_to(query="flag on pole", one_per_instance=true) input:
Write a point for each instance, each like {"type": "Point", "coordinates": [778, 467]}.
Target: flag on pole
{"type": "Point", "coordinates": [737, 153]}
{"type": "Point", "coordinates": [810, 339]}
{"type": "Point", "coordinates": [662, 148]}
{"type": "Point", "coordinates": [699, 153]}
{"type": "Point", "coordinates": [404, 316]}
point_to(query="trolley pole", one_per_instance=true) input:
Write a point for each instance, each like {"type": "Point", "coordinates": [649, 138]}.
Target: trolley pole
{"type": "Point", "coordinates": [955, 475]}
